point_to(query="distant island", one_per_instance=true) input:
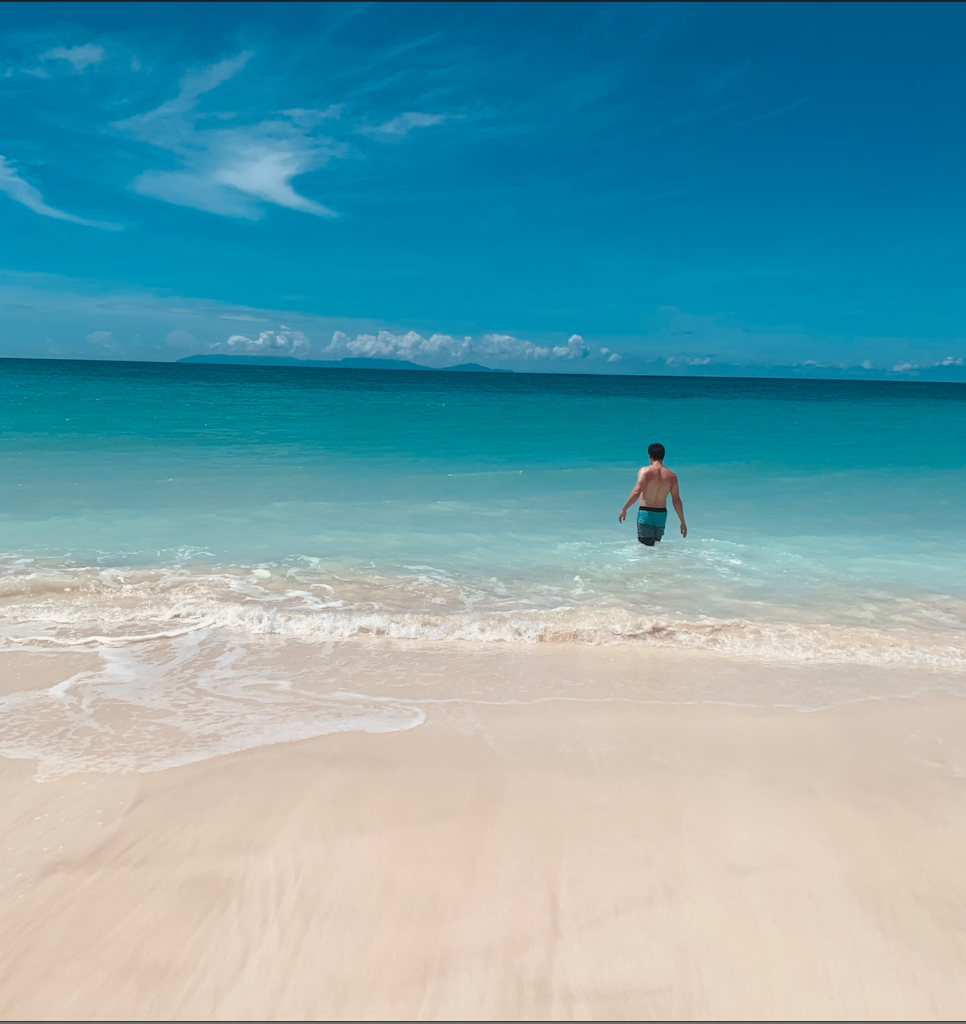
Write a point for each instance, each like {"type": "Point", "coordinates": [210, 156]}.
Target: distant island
{"type": "Point", "coordinates": [338, 364]}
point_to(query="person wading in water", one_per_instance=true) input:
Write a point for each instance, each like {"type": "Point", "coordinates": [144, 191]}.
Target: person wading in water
{"type": "Point", "coordinates": [654, 483]}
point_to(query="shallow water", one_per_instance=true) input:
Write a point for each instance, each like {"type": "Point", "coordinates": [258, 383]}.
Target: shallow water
{"type": "Point", "coordinates": [827, 519]}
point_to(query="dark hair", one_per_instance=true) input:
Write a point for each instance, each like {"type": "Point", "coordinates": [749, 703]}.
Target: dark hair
{"type": "Point", "coordinates": [656, 451]}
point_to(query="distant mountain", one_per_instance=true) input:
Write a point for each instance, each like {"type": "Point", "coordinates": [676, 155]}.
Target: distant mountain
{"type": "Point", "coordinates": [335, 364]}
{"type": "Point", "coordinates": [474, 368]}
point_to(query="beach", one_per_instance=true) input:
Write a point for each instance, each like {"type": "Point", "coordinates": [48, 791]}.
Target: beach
{"type": "Point", "coordinates": [559, 859]}
{"type": "Point", "coordinates": [302, 717]}
{"type": "Point", "coordinates": [482, 512]}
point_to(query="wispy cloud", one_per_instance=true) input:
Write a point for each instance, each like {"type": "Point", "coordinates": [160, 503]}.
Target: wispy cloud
{"type": "Point", "coordinates": [687, 360]}
{"type": "Point", "coordinates": [402, 125]}
{"type": "Point", "coordinates": [231, 170]}
{"type": "Point", "coordinates": [79, 56]}
{"type": "Point", "coordinates": [23, 192]}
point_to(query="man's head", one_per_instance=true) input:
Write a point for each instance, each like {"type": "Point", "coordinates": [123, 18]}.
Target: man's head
{"type": "Point", "coordinates": [656, 452]}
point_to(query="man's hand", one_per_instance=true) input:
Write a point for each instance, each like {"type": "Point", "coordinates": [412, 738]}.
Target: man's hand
{"type": "Point", "coordinates": [622, 516]}
{"type": "Point", "coordinates": [684, 530]}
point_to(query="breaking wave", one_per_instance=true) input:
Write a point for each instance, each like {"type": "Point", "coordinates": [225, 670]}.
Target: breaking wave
{"type": "Point", "coordinates": [97, 608]}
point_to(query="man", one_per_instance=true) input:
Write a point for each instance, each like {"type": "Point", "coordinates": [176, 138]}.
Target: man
{"type": "Point", "coordinates": [654, 483]}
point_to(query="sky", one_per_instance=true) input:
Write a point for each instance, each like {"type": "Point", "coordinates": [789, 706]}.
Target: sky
{"type": "Point", "coordinates": [593, 188]}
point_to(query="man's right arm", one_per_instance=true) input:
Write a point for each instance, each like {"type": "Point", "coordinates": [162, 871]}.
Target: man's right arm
{"type": "Point", "coordinates": [678, 506]}
{"type": "Point", "coordinates": [633, 496]}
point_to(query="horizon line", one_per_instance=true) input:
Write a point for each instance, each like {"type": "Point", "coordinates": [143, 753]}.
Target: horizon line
{"type": "Point", "coordinates": [886, 376]}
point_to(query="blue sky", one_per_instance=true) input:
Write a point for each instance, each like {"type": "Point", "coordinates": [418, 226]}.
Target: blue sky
{"type": "Point", "coordinates": [574, 187]}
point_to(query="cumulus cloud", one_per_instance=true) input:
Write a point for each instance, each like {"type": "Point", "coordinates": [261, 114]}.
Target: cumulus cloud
{"type": "Point", "coordinates": [574, 349]}
{"type": "Point", "coordinates": [271, 343]}
{"type": "Point", "coordinates": [79, 56]}
{"type": "Point", "coordinates": [403, 124]}
{"type": "Point", "coordinates": [951, 361]}
{"type": "Point", "coordinates": [231, 169]}
{"type": "Point", "coordinates": [440, 349]}
{"type": "Point", "coordinates": [427, 350]}
{"type": "Point", "coordinates": [23, 192]}
{"type": "Point", "coordinates": [437, 348]}
{"type": "Point", "coordinates": [904, 367]}
{"type": "Point", "coordinates": [506, 346]}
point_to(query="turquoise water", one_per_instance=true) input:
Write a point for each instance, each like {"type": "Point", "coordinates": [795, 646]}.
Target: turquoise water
{"type": "Point", "coordinates": [826, 519]}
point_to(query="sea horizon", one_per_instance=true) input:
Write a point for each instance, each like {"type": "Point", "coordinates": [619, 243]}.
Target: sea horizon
{"type": "Point", "coordinates": [940, 373]}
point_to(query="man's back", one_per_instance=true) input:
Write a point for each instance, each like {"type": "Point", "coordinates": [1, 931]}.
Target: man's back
{"type": "Point", "coordinates": [655, 482]}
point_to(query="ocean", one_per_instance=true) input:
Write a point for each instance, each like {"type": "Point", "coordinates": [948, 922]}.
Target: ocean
{"type": "Point", "coordinates": [179, 523]}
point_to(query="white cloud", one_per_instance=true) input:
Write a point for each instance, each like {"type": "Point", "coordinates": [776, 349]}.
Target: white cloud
{"type": "Point", "coordinates": [951, 361]}
{"type": "Point", "coordinates": [281, 342]}
{"type": "Point", "coordinates": [230, 170]}
{"type": "Point", "coordinates": [574, 349]}
{"type": "Point", "coordinates": [614, 357]}
{"type": "Point", "coordinates": [403, 124]}
{"type": "Point", "coordinates": [903, 367]}
{"type": "Point", "coordinates": [23, 192]}
{"type": "Point", "coordinates": [437, 348]}
{"type": "Point", "coordinates": [79, 56]}
{"type": "Point", "coordinates": [445, 349]}
{"type": "Point", "coordinates": [506, 346]}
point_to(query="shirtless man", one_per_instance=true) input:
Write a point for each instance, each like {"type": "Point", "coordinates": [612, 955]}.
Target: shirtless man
{"type": "Point", "coordinates": [654, 483]}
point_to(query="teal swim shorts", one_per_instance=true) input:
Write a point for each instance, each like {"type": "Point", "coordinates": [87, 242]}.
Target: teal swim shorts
{"type": "Point", "coordinates": [650, 524]}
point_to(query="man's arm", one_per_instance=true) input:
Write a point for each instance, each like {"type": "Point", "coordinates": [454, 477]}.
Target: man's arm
{"type": "Point", "coordinates": [678, 506]}
{"type": "Point", "coordinates": [633, 496]}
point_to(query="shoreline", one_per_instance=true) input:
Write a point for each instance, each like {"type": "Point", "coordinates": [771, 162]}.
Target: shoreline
{"type": "Point", "coordinates": [551, 860]}
{"type": "Point", "coordinates": [166, 703]}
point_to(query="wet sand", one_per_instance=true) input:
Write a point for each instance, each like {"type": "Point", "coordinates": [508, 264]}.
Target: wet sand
{"type": "Point", "coordinates": [559, 860]}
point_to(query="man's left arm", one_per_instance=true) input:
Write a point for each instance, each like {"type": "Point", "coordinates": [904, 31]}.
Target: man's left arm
{"type": "Point", "coordinates": [678, 506]}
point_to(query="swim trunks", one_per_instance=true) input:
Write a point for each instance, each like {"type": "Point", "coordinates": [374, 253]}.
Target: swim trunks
{"type": "Point", "coordinates": [650, 524]}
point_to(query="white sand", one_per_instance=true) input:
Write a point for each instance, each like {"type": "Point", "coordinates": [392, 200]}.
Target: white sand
{"type": "Point", "coordinates": [559, 860]}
